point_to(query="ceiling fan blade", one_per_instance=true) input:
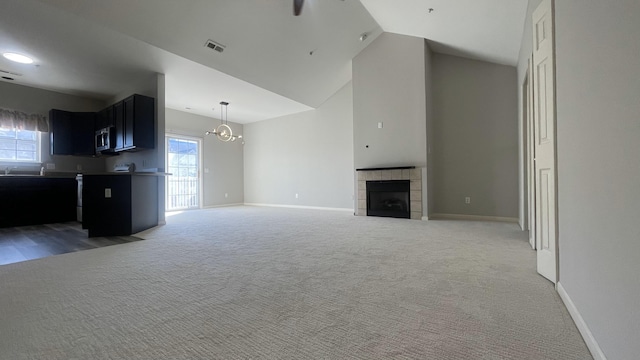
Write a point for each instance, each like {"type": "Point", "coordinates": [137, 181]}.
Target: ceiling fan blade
{"type": "Point", "coordinates": [297, 7]}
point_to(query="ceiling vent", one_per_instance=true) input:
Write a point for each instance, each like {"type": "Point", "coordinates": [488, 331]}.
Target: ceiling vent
{"type": "Point", "coordinates": [5, 72]}
{"type": "Point", "coordinates": [215, 46]}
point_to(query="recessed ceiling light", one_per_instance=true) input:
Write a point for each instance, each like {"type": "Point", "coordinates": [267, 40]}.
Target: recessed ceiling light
{"type": "Point", "coordinates": [18, 58]}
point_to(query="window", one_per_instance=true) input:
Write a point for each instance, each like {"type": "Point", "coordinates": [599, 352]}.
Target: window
{"type": "Point", "coordinates": [19, 145]}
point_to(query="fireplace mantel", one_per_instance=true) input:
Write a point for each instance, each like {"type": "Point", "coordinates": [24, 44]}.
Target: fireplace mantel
{"type": "Point", "coordinates": [387, 168]}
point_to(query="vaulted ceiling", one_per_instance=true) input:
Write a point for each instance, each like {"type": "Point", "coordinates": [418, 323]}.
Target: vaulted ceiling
{"type": "Point", "coordinates": [273, 63]}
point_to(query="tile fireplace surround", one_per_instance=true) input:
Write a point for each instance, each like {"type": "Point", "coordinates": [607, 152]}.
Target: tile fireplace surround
{"type": "Point", "coordinates": [392, 173]}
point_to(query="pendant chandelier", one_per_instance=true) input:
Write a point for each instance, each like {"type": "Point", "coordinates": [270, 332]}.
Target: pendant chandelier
{"type": "Point", "coordinates": [223, 132]}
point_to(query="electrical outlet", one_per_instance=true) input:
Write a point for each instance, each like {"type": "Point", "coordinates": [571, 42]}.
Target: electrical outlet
{"type": "Point", "coordinates": [467, 200]}
{"type": "Point", "coordinates": [51, 166]}
{"type": "Point", "coordinates": [107, 193]}
{"type": "Point", "coordinates": [79, 167]}
{"type": "Point", "coordinates": [296, 195]}
{"type": "Point", "coordinates": [226, 195]}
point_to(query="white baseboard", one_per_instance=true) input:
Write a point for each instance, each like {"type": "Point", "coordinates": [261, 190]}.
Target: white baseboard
{"type": "Point", "coordinates": [424, 218]}
{"type": "Point", "coordinates": [300, 207]}
{"type": "Point", "coordinates": [591, 342]}
{"type": "Point", "coordinates": [223, 205]}
{"type": "Point", "coordinates": [472, 218]}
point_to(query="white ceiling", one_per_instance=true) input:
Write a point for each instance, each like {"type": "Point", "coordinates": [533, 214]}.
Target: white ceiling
{"type": "Point", "coordinates": [489, 30]}
{"type": "Point", "coordinates": [94, 47]}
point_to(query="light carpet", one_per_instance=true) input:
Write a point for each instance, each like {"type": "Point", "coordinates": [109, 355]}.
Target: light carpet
{"type": "Point", "coordinates": [270, 283]}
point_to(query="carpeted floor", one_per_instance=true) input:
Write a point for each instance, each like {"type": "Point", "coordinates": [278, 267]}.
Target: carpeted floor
{"type": "Point", "coordinates": [270, 283]}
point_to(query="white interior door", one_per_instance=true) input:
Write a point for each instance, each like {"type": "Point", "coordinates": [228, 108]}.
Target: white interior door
{"type": "Point", "coordinates": [545, 140]}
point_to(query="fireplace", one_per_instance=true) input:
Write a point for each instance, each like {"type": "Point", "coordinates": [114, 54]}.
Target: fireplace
{"type": "Point", "coordinates": [389, 198]}
{"type": "Point", "coordinates": [409, 174]}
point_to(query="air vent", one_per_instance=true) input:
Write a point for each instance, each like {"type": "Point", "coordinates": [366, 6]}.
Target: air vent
{"type": "Point", "coordinates": [9, 73]}
{"type": "Point", "coordinates": [215, 46]}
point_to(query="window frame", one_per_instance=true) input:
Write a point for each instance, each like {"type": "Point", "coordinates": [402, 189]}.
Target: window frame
{"type": "Point", "coordinates": [38, 150]}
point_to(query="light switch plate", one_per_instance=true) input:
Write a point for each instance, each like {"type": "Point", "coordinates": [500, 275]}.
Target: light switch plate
{"type": "Point", "coordinates": [107, 193]}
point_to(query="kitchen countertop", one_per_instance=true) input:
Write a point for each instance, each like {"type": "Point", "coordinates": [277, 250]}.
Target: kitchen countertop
{"type": "Point", "coordinates": [36, 176]}
{"type": "Point", "coordinates": [142, 173]}
{"type": "Point", "coordinates": [74, 174]}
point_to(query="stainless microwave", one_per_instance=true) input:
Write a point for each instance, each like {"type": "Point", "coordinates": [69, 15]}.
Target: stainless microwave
{"type": "Point", "coordinates": [106, 139]}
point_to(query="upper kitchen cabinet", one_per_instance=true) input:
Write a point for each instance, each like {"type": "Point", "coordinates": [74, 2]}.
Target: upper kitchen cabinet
{"type": "Point", "coordinates": [105, 118]}
{"type": "Point", "coordinates": [72, 133]}
{"type": "Point", "coordinates": [134, 119]}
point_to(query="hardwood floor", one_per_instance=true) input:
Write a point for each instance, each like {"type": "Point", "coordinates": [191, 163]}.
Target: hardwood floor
{"type": "Point", "coordinates": [38, 241]}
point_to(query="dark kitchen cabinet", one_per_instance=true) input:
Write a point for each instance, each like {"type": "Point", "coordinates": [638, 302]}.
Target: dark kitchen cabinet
{"type": "Point", "coordinates": [105, 118]}
{"type": "Point", "coordinates": [32, 200]}
{"type": "Point", "coordinates": [84, 133]}
{"type": "Point", "coordinates": [72, 133]}
{"type": "Point", "coordinates": [118, 122]}
{"type": "Point", "coordinates": [134, 119]}
{"type": "Point", "coordinates": [60, 134]}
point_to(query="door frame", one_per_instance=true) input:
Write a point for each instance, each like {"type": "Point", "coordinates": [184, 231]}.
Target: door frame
{"type": "Point", "coordinates": [200, 157]}
{"type": "Point", "coordinates": [529, 135]}
{"type": "Point", "coordinates": [524, 139]}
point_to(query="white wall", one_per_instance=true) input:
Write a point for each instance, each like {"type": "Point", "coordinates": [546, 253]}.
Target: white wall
{"type": "Point", "coordinates": [223, 160]}
{"type": "Point", "coordinates": [598, 135]}
{"type": "Point", "coordinates": [309, 153]}
{"type": "Point", "coordinates": [37, 101]}
{"type": "Point", "coordinates": [475, 145]}
{"type": "Point", "coordinates": [389, 86]}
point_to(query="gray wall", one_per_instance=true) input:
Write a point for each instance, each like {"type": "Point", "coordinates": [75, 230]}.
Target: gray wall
{"type": "Point", "coordinates": [598, 134]}
{"type": "Point", "coordinates": [152, 85]}
{"type": "Point", "coordinates": [427, 196]}
{"type": "Point", "coordinates": [389, 87]}
{"type": "Point", "coordinates": [597, 87]}
{"type": "Point", "coordinates": [223, 160]}
{"type": "Point", "coordinates": [160, 144]}
{"type": "Point", "coordinates": [308, 153]}
{"type": "Point", "coordinates": [526, 48]}
{"type": "Point", "coordinates": [475, 146]}
{"type": "Point", "coordinates": [37, 101]}
{"type": "Point", "coordinates": [144, 159]}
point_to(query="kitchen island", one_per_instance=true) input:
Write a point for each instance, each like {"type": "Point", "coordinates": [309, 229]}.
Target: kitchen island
{"type": "Point", "coordinates": [116, 204]}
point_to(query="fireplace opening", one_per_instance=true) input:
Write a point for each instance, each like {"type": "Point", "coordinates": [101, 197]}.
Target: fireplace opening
{"type": "Point", "coordinates": [388, 198]}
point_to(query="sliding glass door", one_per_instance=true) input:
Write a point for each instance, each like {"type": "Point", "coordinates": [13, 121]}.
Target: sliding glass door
{"type": "Point", "coordinates": [183, 161]}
